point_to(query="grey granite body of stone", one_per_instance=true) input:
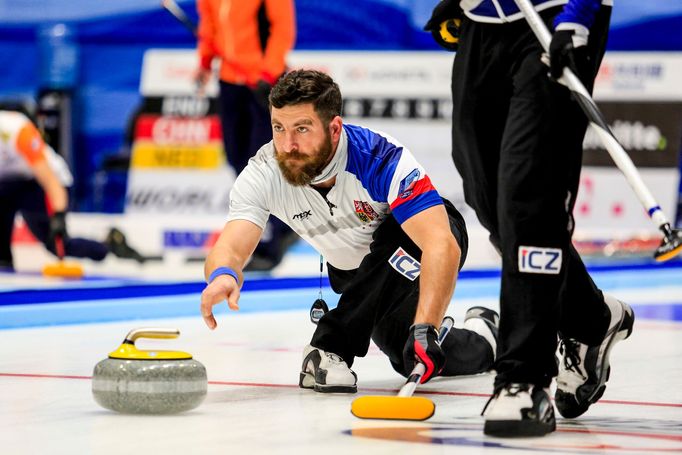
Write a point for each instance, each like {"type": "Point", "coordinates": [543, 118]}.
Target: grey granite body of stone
{"type": "Point", "coordinates": [149, 386]}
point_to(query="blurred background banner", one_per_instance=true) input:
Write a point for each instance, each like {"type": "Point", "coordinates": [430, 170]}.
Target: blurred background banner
{"type": "Point", "coordinates": [113, 72]}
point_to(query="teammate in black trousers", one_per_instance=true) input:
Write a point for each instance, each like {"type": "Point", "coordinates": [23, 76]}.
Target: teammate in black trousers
{"type": "Point", "coordinates": [517, 143]}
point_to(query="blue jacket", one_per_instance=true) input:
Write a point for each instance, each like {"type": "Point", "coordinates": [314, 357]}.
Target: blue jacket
{"type": "Point", "coordinates": [498, 11]}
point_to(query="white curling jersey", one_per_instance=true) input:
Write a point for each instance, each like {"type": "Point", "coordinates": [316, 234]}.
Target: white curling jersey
{"type": "Point", "coordinates": [375, 176]}
{"type": "Point", "coordinates": [22, 146]}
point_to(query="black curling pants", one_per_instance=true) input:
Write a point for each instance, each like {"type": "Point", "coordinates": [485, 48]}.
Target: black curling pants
{"type": "Point", "coordinates": [379, 303]}
{"type": "Point", "coordinates": [517, 143]}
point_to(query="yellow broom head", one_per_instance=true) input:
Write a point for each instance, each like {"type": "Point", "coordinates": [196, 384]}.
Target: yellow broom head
{"type": "Point", "coordinates": [392, 408]}
{"type": "Point", "coordinates": [63, 269]}
{"type": "Point", "coordinates": [670, 246]}
{"type": "Point", "coordinates": [669, 254]}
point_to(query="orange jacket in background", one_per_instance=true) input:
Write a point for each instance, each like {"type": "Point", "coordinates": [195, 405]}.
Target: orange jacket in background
{"type": "Point", "coordinates": [228, 29]}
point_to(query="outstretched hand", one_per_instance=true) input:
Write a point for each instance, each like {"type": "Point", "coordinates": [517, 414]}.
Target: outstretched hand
{"type": "Point", "coordinates": [223, 287]}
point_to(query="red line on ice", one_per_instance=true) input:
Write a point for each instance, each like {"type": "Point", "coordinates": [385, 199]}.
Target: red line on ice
{"type": "Point", "coordinates": [364, 389]}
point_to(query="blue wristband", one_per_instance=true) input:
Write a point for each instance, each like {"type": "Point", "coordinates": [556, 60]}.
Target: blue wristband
{"type": "Point", "coordinates": [223, 271]}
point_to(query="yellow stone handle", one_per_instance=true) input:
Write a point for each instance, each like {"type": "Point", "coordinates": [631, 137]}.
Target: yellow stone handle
{"type": "Point", "coordinates": [128, 350]}
{"type": "Point", "coordinates": [151, 332]}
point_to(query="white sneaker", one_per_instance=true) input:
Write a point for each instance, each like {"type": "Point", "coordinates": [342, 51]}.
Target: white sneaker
{"type": "Point", "coordinates": [486, 323]}
{"type": "Point", "coordinates": [584, 370]}
{"type": "Point", "coordinates": [518, 410]}
{"type": "Point", "coordinates": [326, 372]}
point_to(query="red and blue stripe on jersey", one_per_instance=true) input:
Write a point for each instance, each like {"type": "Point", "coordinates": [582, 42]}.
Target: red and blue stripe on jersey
{"type": "Point", "coordinates": [389, 173]}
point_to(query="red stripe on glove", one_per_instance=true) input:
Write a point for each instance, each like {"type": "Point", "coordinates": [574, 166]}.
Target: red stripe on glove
{"type": "Point", "coordinates": [426, 360]}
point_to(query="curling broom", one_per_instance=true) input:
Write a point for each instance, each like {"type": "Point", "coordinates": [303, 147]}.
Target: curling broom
{"type": "Point", "coordinates": [62, 268]}
{"type": "Point", "coordinates": [402, 406]}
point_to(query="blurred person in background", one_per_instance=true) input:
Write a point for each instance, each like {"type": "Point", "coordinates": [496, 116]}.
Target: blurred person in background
{"type": "Point", "coordinates": [252, 39]}
{"type": "Point", "coordinates": [33, 182]}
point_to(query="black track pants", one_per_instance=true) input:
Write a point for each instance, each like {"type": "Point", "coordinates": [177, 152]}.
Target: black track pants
{"type": "Point", "coordinates": [517, 143]}
{"type": "Point", "coordinates": [379, 303]}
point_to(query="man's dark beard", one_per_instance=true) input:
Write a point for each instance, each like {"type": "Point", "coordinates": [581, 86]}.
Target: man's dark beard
{"type": "Point", "coordinates": [312, 165]}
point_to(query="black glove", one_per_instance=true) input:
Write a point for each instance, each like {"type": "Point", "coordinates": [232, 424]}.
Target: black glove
{"type": "Point", "coordinates": [58, 228]}
{"type": "Point", "coordinates": [261, 91]}
{"type": "Point", "coordinates": [444, 24]}
{"type": "Point", "coordinates": [422, 346]}
{"type": "Point", "coordinates": [568, 48]}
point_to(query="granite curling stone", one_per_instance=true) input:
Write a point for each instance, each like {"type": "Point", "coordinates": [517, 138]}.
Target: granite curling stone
{"type": "Point", "coordinates": [134, 381]}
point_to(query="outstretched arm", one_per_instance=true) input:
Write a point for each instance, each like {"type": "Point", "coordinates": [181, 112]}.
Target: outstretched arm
{"type": "Point", "coordinates": [227, 257]}
{"type": "Point", "coordinates": [31, 147]}
{"type": "Point", "coordinates": [430, 230]}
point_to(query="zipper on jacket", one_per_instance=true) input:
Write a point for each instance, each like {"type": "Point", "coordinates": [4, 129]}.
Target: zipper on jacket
{"type": "Point", "coordinates": [323, 192]}
{"type": "Point", "coordinates": [330, 205]}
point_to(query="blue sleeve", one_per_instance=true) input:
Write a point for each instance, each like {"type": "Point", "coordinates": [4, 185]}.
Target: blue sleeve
{"type": "Point", "coordinates": [389, 173]}
{"type": "Point", "coordinates": [579, 11]}
{"type": "Point", "coordinates": [372, 159]}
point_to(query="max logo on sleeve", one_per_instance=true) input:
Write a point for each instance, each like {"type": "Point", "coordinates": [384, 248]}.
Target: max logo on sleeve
{"type": "Point", "coordinates": [405, 264]}
{"type": "Point", "coordinates": [533, 259]}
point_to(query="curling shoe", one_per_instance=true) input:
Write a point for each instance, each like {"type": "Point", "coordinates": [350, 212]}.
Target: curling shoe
{"type": "Point", "coordinates": [326, 372]}
{"type": "Point", "coordinates": [583, 369]}
{"type": "Point", "coordinates": [118, 245]}
{"type": "Point", "coordinates": [485, 322]}
{"type": "Point", "coordinates": [519, 410]}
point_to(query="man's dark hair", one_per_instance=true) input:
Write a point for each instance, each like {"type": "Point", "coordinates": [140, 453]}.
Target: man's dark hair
{"type": "Point", "coordinates": [308, 86]}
